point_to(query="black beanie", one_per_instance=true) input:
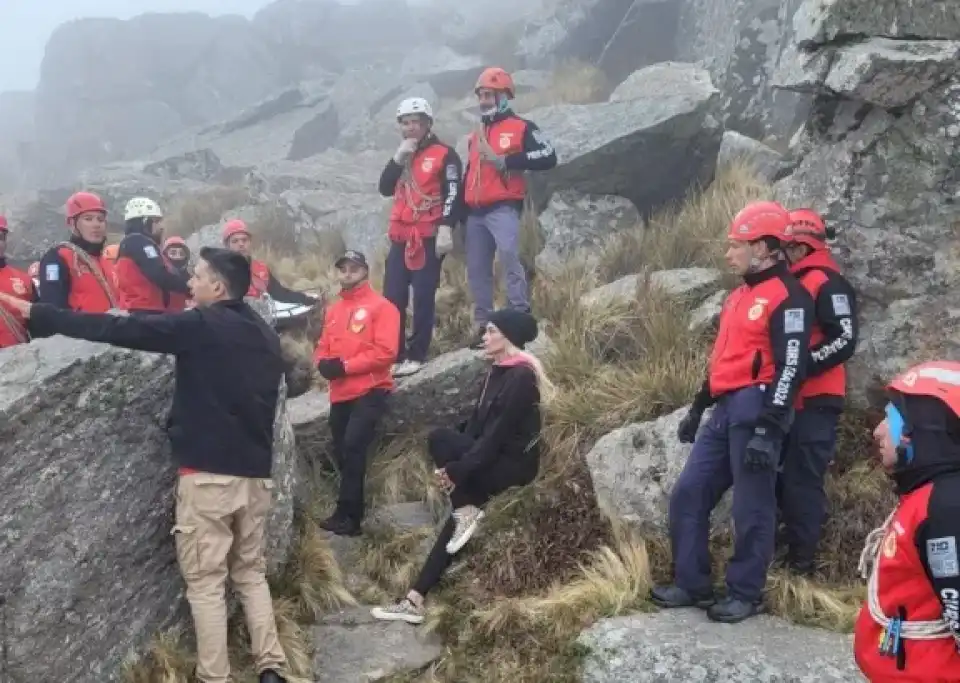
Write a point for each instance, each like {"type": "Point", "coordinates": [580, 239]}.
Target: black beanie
{"type": "Point", "coordinates": [518, 327]}
{"type": "Point", "coordinates": [232, 266]}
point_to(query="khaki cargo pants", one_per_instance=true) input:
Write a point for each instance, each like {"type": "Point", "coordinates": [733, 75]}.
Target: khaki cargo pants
{"type": "Point", "coordinates": [219, 531]}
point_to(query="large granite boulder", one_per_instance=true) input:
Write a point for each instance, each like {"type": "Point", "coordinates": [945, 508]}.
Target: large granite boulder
{"type": "Point", "coordinates": [656, 139]}
{"type": "Point", "coordinates": [879, 159]}
{"type": "Point", "coordinates": [16, 137]}
{"type": "Point", "coordinates": [87, 563]}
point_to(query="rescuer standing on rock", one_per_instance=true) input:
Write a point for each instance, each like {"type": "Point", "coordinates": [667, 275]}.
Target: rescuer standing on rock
{"type": "Point", "coordinates": [909, 627]}
{"type": "Point", "coordinates": [76, 274]}
{"type": "Point", "coordinates": [756, 368]}
{"type": "Point", "coordinates": [13, 328]}
{"type": "Point", "coordinates": [236, 237]}
{"type": "Point", "coordinates": [356, 350]}
{"type": "Point", "coordinates": [229, 368]}
{"type": "Point", "coordinates": [424, 178]}
{"type": "Point", "coordinates": [813, 437]}
{"type": "Point", "coordinates": [177, 253]}
{"type": "Point", "coordinates": [148, 283]}
{"type": "Point", "coordinates": [500, 151]}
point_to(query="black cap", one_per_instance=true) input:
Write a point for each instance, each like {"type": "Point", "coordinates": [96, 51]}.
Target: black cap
{"type": "Point", "coordinates": [354, 256]}
{"type": "Point", "coordinates": [232, 266]}
{"type": "Point", "coordinates": [519, 327]}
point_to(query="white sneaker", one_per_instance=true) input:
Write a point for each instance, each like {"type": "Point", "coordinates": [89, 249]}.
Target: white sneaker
{"type": "Point", "coordinates": [407, 368]}
{"type": "Point", "coordinates": [466, 520]}
{"type": "Point", "coordinates": [404, 610]}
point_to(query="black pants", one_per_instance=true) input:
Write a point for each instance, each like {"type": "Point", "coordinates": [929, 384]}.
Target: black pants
{"type": "Point", "coordinates": [353, 426]}
{"type": "Point", "coordinates": [447, 445]}
{"type": "Point", "coordinates": [397, 281]}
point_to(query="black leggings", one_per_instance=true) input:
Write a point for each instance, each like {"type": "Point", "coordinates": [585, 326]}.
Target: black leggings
{"type": "Point", "coordinates": [445, 446]}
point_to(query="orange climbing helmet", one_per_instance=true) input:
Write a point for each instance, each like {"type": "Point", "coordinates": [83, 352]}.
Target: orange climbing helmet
{"type": "Point", "coordinates": [234, 227]}
{"type": "Point", "coordinates": [758, 220]}
{"type": "Point", "coordinates": [83, 202]}
{"type": "Point", "coordinates": [807, 227]}
{"type": "Point", "coordinates": [174, 242]}
{"type": "Point", "coordinates": [495, 79]}
{"type": "Point", "coordinates": [938, 379]}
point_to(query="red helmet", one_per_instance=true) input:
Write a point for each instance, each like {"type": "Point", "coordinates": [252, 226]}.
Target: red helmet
{"type": "Point", "coordinates": [174, 242]}
{"type": "Point", "coordinates": [496, 79]}
{"type": "Point", "coordinates": [3, 224]}
{"type": "Point", "coordinates": [34, 269]}
{"type": "Point", "coordinates": [82, 202]}
{"type": "Point", "coordinates": [807, 227]}
{"type": "Point", "coordinates": [234, 227]}
{"type": "Point", "coordinates": [758, 220]}
{"type": "Point", "coordinates": [937, 379]}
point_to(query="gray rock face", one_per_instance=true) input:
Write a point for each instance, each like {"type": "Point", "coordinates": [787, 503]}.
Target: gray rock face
{"type": "Point", "coordinates": [85, 530]}
{"type": "Point", "coordinates": [737, 148]}
{"type": "Point", "coordinates": [201, 165]}
{"type": "Point", "coordinates": [16, 137]}
{"type": "Point", "coordinates": [650, 148]}
{"type": "Point", "coordinates": [575, 221]}
{"type": "Point", "coordinates": [819, 23]}
{"type": "Point", "coordinates": [686, 283]}
{"type": "Point", "coordinates": [682, 645]}
{"type": "Point", "coordinates": [879, 161]}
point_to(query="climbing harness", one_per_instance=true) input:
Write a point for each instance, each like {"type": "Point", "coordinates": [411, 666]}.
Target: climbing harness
{"type": "Point", "coordinates": [413, 195]}
{"type": "Point", "coordinates": [895, 629]}
{"type": "Point", "coordinates": [18, 331]}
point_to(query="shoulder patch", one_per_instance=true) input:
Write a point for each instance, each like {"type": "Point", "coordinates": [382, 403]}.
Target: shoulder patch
{"type": "Point", "coordinates": [51, 273]}
{"type": "Point", "coordinates": [841, 304]}
{"type": "Point", "coordinates": [793, 321]}
{"type": "Point", "coordinates": [150, 251]}
{"type": "Point", "coordinates": [942, 557]}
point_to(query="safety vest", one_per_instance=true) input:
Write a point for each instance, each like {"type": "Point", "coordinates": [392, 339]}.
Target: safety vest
{"type": "Point", "coordinates": [485, 184]}
{"type": "Point", "coordinates": [418, 198]}
{"type": "Point", "coordinates": [13, 327]}
{"type": "Point", "coordinates": [92, 280]}
{"type": "Point", "coordinates": [833, 382]}
{"type": "Point", "coordinates": [138, 293]}
{"type": "Point", "coordinates": [259, 278]}
{"type": "Point", "coordinates": [742, 354]}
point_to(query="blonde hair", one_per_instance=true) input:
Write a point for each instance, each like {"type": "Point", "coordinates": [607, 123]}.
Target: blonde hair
{"type": "Point", "coordinates": [548, 389]}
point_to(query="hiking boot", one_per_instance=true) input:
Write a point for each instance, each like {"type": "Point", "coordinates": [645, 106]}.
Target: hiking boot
{"type": "Point", "coordinates": [402, 610]}
{"type": "Point", "coordinates": [732, 610]}
{"type": "Point", "coordinates": [271, 676]}
{"type": "Point", "coordinates": [341, 525]}
{"type": "Point", "coordinates": [466, 520]}
{"type": "Point", "coordinates": [669, 597]}
{"type": "Point", "coordinates": [407, 368]}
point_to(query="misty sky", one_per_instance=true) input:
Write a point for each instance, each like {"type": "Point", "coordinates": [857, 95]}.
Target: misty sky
{"type": "Point", "coordinates": [25, 26]}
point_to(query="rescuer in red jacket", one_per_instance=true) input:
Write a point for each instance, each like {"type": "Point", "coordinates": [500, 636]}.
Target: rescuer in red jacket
{"type": "Point", "coordinates": [424, 179]}
{"type": "Point", "coordinates": [813, 438]}
{"type": "Point", "coordinates": [236, 237]}
{"type": "Point", "coordinates": [13, 281]}
{"type": "Point", "coordinates": [758, 363]}
{"type": "Point", "coordinates": [177, 253]}
{"type": "Point", "coordinates": [76, 274]}
{"type": "Point", "coordinates": [503, 148]}
{"type": "Point", "coordinates": [147, 281]}
{"type": "Point", "coordinates": [909, 628]}
{"type": "Point", "coordinates": [355, 353]}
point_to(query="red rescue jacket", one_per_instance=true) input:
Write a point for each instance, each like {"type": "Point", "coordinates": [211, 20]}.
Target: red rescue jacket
{"type": "Point", "coordinates": [418, 198]}
{"type": "Point", "coordinates": [90, 292]}
{"type": "Point", "coordinates": [833, 382]}
{"type": "Point", "coordinates": [13, 328]}
{"type": "Point", "coordinates": [260, 278]}
{"type": "Point", "coordinates": [484, 184]}
{"type": "Point", "coordinates": [902, 581]}
{"type": "Point", "coordinates": [138, 293]}
{"type": "Point", "coordinates": [362, 329]}
{"type": "Point", "coordinates": [742, 354]}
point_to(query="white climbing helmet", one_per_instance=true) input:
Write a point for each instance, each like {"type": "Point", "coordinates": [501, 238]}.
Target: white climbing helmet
{"type": "Point", "coordinates": [414, 105]}
{"type": "Point", "coordinates": [142, 207]}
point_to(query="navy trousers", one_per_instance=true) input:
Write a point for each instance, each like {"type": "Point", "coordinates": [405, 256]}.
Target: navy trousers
{"type": "Point", "coordinates": [397, 283]}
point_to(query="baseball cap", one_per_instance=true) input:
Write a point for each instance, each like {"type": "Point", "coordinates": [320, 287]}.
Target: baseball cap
{"type": "Point", "coordinates": [355, 257]}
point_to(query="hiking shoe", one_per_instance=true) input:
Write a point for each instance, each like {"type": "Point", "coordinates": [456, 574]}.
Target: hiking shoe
{"type": "Point", "coordinates": [341, 525]}
{"type": "Point", "coordinates": [271, 676]}
{"type": "Point", "coordinates": [731, 610]}
{"type": "Point", "coordinates": [466, 520]}
{"type": "Point", "coordinates": [669, 597]}
{"type": "Point", "coordinates": [407, 368]}
{"type": "Point", "coordinates": [403, 610]}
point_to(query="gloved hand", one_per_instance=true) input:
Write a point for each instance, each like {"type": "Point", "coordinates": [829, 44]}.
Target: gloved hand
{"type": "Point", "coordinates": [687, 430]}
{"type": "Point", "coordinates": [444, 241]}
{"type": "Point", "coordinates": [331, 368]}
{"type": "Point", "coordinates": [406, 148]}
{"type": "Point", "coordinates": [763, 450]}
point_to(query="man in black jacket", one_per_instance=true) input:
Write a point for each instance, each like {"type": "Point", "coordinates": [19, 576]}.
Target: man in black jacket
{"type": "Point", "coordinates": [228, 372]}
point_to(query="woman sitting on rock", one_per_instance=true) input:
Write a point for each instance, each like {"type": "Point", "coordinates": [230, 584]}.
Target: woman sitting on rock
{"type": "Point", "coordinates": [497, 448]}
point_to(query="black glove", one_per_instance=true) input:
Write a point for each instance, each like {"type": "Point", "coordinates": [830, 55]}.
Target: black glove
{"type": "Point", "coordinates": [763, 450]}
{"type": "Point", "coordinates": [331, 368]}
{"type": "Point", "coordinates": [687, 430]}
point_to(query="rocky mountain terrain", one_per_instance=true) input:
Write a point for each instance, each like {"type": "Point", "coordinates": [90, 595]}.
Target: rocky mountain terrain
{"type": "Point", "coordinates": [851, 107]}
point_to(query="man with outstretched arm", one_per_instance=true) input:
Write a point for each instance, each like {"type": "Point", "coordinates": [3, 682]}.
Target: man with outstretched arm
{"type": "Point", "coordinates": [758, 363]}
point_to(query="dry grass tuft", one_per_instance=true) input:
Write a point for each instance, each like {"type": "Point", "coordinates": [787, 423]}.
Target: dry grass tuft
{"type": "Point", "coordinates": [572, 82]}
{"type": "Point", "coordinates": [185, 215]}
